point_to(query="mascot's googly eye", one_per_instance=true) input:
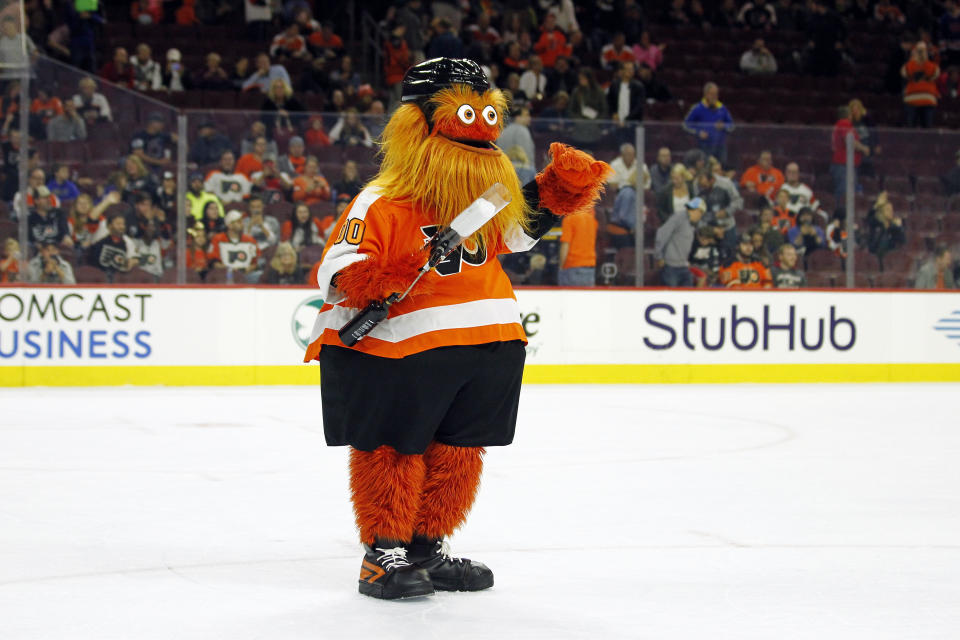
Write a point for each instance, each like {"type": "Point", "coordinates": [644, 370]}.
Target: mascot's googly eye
{"type": "Point", "coordinates": [466, 114]}
{"type": "Point", "coordinates": [490, 115]}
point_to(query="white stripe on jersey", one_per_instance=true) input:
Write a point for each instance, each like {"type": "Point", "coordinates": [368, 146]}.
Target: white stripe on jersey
{"type": "Point", "coordinates": [344, 254]}
{"type": "Point", "coordinates": [476, 313]}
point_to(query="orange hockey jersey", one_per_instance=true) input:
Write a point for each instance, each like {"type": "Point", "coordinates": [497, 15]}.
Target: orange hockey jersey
{"type": "Point", "coordinates": [471, 299]}
{"type": "Point", "coordinates": [746, 275]}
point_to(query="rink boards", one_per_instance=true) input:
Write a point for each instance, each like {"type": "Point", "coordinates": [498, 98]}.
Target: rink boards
{"type": "Point", "coordinates": [240, 336]}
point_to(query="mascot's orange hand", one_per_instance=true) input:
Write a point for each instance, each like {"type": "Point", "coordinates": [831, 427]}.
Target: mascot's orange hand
{"type": "Point", "coordinates": [378, 276]}
{"type": "Point", "coordinates": [572, 182]}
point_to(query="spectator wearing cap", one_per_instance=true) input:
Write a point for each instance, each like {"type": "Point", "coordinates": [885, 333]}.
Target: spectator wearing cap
{"type": "Point", "coordinates": [165, 196]}
{"type": "Point", "coordinates": [154, 145]}
{"type": "Point", "coordinates": [311, 187]}
{"type": "Point", "coordinates": [47, 267]}
{"type": "Point", "coordinates": [209, 144]}
{"type": "Point", "coordinates": [264, 74]}
{"type": "Point", "coordinates": [67, 126]}
{"type": "Point", "coordinates": [146, 70]}
{"type": "Point", "coordinates": [707, 256]}
{"type": "Point", "coordinates": [292, 162]}
{"type": "Point", "coordinates": [746, 271]}
{"type": "Point", "coordinates": [61, 186]}
{"type": "Point", "coordinates": [46, 222]}
{"type": "Point", "coordinates": [251, 163]}
{"type": "Point", "coordinates": [786, 273]}
{"type": "Point", "coordinates": [90, 103]}
{"type": "Point", "coordinates": [349, 184]}
{"type": "Point", "coordinates": [937, 272]}
{"type": "Point", "coordinates": [118, 70]}
{"type": "Point", "coordinates": [175, 77]}
{"type": "Point", "coordinates": [115, 251]}
{"type": "Point", "coordinates": [280, 111]}
{"type": "Point", "coordinates": [232, 249]}
{"type": "Point", "coordinates": [673, 243]}
{"type": "Point", "coordinates": [225, 182]}
{"type": "Point", "coordinates": [578, 254]}
{"type": "Point", "coordinates": [710, 122]}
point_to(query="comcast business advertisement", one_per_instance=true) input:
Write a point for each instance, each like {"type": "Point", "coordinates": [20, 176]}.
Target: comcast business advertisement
{"type": "Point", "coordinates": [183, 327]}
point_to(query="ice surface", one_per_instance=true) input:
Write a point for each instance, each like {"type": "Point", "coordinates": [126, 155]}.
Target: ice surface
{"type": "Point", "coordinates": [735, 512]}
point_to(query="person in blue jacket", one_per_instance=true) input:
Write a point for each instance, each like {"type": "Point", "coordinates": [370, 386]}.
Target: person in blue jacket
{"type": "Point", "coordinates": [710, 121]}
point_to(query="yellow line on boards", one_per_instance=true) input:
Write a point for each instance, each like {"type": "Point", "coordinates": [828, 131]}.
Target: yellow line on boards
{"type": "Point", "coordinates": [534, 374]}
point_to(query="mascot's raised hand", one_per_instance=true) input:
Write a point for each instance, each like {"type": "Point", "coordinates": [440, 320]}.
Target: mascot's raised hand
{"type": "Point", "coordinates": [572, 181]}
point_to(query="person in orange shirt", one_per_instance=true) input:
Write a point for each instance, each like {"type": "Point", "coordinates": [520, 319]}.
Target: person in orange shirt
{"type": "Point", "coordinates": [552, 43]}
{"type": "Point", "coordinates": [10, 264]}
{"type": "Point", "coordinates": [783, 219]}
{"type": "Point", "coordinates": [311, 187]}
{"type": "Point", "coordinates": [325, 41]}
{"type": "Point", "coordinates": [763, 177]}
{"type": "Point", "coordinates": [578, 250]}
{"type": "Point", "coordinates": [251, 163]}
{"type": "Point", "coordinates": [746, 271]}
{"type": "Point", "coordinates": [46, 106]}
{"type": "Point", "coordinates": [920, 94]}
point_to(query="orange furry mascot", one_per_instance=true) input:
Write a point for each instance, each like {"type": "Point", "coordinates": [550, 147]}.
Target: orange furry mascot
{"type": "Point", "coordinates": [422, 394]}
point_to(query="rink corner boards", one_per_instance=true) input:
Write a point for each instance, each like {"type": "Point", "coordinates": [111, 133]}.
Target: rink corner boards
{"type": "Point", "coordinates": [80, 376]}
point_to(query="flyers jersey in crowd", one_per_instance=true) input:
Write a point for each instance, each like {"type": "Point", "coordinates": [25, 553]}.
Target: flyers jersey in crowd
{"type": "Point", "coordinates": [746, 275]}
{"type": "Point", "coordinates": [239, 254]}
{"type": "Point", "coordinates": [471, 300]}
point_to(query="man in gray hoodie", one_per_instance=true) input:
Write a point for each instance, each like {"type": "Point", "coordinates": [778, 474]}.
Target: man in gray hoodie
{"type": "Point", "coordinates": [937, 273]}
{"type": "Point", "coordinates": [673, 243]}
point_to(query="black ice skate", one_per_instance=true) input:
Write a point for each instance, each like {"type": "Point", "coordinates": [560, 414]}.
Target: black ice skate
{"type": "Point", "coordinates": [386, 573]}
{"type": "Point", "coordinates": [446, 572]}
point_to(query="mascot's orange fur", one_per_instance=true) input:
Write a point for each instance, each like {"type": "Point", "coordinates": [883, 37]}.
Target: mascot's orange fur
{"type": "Point", "coordinates": [438, 156]}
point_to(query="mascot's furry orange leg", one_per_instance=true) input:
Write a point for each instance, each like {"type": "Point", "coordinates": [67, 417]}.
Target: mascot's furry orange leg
{"type": "Point", "coordinates": [385, 486]}
{"type": "Point", "coordinates": [452, 479]}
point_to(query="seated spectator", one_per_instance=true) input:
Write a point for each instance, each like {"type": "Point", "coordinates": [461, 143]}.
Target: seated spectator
{"type": "Point", "coordinates": [146, 70]}
{"type": "Point", "coordinates": [280, 110]}
{"type": "Point", "coordinates": [175, 77]}
{"type": "Point", "coordinates": [350, 131]}
{"type": "Point", "coordinates": [552, 42]}
{"type": "Point", "coordinates": [311, 187]}
{"type": "Point", "coordinates": [47, 267]}
{"type": "Point", "coordinates": [806, 236]}
{"type": "Point", "coordinates": [660, 171]}
{"type": "Point", "coordinates": [226, 182]}
{"type": "Point", "coordinates": [212, 77]}
{"type": "Point", "coordinates": [315, 80]}
{"type": "Point", "coordinates": [799, 194]}
{"type": "Point", "coordinates": [67, 126]}
{"type": "Point", "coordinates": [345, 77]}
{"type": "Point", "coordinates": [46, 222]}
{"type": "Point", "coordinates": [303, 229]}
{"type": "Point", "coordinates": [115, 251]}
{"type": "Point", "coordinates": [43, 109]}
{"type": "Point", "coordinates": [350, 183]}
{"type": "Point", "coordinates": [652, 87]}
{"type": "Point", "coordinates": [884, 230]}
{"type": "Point", "coordinates": [514, 61]}
{"type": "Point", "coordinates": [784, 218]}
{"type": "Point", "coordinates": [786, 273]}
{"type": "Point", "coordinates": [197, 249]}
{"type": "Point", "coordinates": [648, 53]}
{"type": "Point", "coordinates": [325, 42]}
{"type": "Point", "coordinates": [289, 43]}
{"type": "Point", "coordinates": [757, 60]}
{"type": "Point", "coordinates": [920, 94]}
{"type": "Point", "coordinates": [146, 12]}
{"type": "Point", "coordinates": [118, 70]}
{"type": "Point", "coordinates": [89, 224]}
{"type": "Point", "coordinates": [758, 14]}
{"type": "Point", "coordinates": [165, 196]}
{"type": "Point", "coordinates": [61, 186]}
{"type": "Point", "coordinates": [269, 183]}
{"type": "Point", "coordinates": [720, 195]}
{"type": "Point", "coordinates": [836, 233]}
{"type": "Point", "coordinates": [209, 144]}
{"type": "Point", "coordinates": [138, 178]}
{"type": "Point", "coordinates": [746, 271]}
{"type": "Point", "coordinates": [284, 268]}
{"type": "Point", "coordinates": [212, 218]}
{"type": "Point", "coordinates": [259, 226]}
{"type": "Point", "coordinates": [10, 264]}
{"type": "Point", "coordinates": [763, 178]}
{"type": "Point", "coordinates": [149, 253]}
{"type": "Point", "coordinates": [773, 236]}
{"type": "Point", "coordinates": [257, 130]}
{"type": "Point", "coordinates": [588, 100]}
{"type": "Point", "coordinates": [303, 17]}
{"type": "Point", "coordinates": [673, 197]}
{"type": "Point", "coordinates": [616, 52]}
{"type": "Point", "coordinates": [197, 198]}
{"type": "Point", "coordinates": [710, 121]}
{"type": "Point", "coordinates": [707, 256]}
{"type": "Point", "coordinates": [153, 145]}
{"type": "Point", "coordinates": [533, 82]}
{"type": "Point", "coordinates": [674, 241]}
{"type": "Point", "coordinates": [250, 163]}
{"type": "Point", "coordinates": [241, 70]}
{"type": "Point", "coordinates": [937, 272]}
{"type": "Point", "coordinates": [232, 249]}
{"type": "Point", "coordinates": [264, 74]}
{"type": "Point", "coordinates": [561, 77]}
{"type": "Point", "coordinates": [578, 254]}
{"type": "Point", "coordinates": [316, 136]}
{"type": "Point", "coordinates": [626, 97]}
{"type": "Point", "coordinates": [36, 178]}
{"type": "Point", "coordinates": [292, 163]}
{"type": "Point", "coordinates": [91, 104]}
{"type": "Point", "coordinates": [515, 95]}
{"type": "Point", "coordinates": [759, 247]}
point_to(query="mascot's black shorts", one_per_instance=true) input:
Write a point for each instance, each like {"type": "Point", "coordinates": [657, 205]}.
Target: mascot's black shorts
{"type": "Point", "coordinates": [464, 396]}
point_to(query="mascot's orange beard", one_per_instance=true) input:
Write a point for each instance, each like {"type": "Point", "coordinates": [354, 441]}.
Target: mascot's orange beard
{"type": "Point", "coordinates": [441, 177]}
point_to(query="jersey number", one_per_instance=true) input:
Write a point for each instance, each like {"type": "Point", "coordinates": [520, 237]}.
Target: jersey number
{"type": "Point", "coordinates": [351, 231]}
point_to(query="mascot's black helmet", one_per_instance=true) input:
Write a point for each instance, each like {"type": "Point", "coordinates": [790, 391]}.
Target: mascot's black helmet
{"type": "Point", "coordinates": [423, 80]}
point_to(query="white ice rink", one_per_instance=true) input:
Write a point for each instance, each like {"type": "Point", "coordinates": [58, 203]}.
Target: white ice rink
{"type": "Point", "coordinates": [738, 512]}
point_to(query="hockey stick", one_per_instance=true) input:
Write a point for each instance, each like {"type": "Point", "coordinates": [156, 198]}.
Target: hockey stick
{"type": "Point", "coordinates": [443, 243]}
